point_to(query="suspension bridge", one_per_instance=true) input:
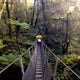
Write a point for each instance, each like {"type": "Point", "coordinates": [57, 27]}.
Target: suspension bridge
{"type": "Point", "coordinates": [38, 68]}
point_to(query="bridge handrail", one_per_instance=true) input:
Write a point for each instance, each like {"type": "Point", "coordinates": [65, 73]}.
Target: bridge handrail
{"type": "Point", "coordinates": [61, 61]}
{"type": "Point", "coordinates": [14, 61]}
{"type": "Point", "coordinates": [10, 64]}
{"type": "Point", "coordinates": [51, 53]}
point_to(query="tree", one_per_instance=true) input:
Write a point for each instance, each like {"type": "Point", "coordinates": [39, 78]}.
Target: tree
{"type": "Point", "coordinates": [33, 12]}
{"type": "Point", "coordinates": [8, 16]}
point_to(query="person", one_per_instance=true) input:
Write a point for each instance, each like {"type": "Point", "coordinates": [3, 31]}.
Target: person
{"type": "Point", "coordinates": [39, 38]}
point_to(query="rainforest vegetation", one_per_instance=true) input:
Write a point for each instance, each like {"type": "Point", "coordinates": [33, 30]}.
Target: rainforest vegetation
{"type": "Point", "coordinates": [58, 21]}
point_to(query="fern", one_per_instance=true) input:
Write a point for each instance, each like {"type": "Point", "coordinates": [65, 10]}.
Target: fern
{"type": "Point", "coordinates": [3, 59]}
{"type": "Point", "coordinates": [15, 23]}
{"type": "Point", "coordinates": [1, 44]}
{"type": "Point", "coordinates": [7, 59]}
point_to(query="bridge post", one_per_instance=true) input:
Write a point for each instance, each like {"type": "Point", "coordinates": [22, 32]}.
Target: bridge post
{"type": "Point", "coordinates": [55, 70]}
{"type": "Point", "coordinates": [48, 57]}
{"type": "Point", "coordinates": [29, 54]}
{"type": "Point", "coordinates": [21, 64]}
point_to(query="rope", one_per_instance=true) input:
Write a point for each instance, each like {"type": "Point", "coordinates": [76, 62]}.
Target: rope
{"type": "Point", "coordinates": [10, 64]}
{"type": "Point", "coordinates": [30, 47]}
{"type": "Point", "coordinates": [15, 60]}
{"type": "Point", "coordinates": [51, 53]}
{"type": "Point", "coordinates": [62, 62]}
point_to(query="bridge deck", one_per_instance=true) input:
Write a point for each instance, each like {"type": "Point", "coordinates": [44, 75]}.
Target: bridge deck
{"type": "Point", "coordinates": [38, 68]}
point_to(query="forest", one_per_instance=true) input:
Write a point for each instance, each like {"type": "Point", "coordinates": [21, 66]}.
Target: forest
{"type": "Point", "coordinates": [58, 21]}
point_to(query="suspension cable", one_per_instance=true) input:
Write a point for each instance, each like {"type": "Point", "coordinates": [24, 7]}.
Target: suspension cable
{"type": "Point", "coordinates": [62, 61]}
{"type": "Point", "coordinates": [15, 60]}
{"type": "Point", "coordinates": [51, 53]}
{"type": "Point", "coordinates": [10, 64]}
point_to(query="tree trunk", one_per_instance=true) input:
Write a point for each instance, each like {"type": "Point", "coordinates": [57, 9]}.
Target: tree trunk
{"type": "Point", "coordinates": [32, 19]}
{"type": "Point", "coordinates": [65, 47]}
{"type": "Point", "coordinates": [17, 41]}
{"type": "Point", "coordinates": [8, 16]}
{"type": "Point", "coordinates": [17, 34]}
{"type": "Point", "coordinates": [37, 17]}
{"type": "Point", "coordinates": [26, 9]}
{"type": "Point", "coordinates": [44, 15]}
{"type": "Point", "coordinates": [67, 37]}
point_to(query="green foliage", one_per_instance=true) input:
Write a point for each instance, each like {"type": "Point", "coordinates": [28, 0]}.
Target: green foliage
{"type": "Point", "coordinates": [57, 16]}
{"type": "Point", "coordinates": [26, 59]}
{"type": "Point", "coordinates": [17, 23]}
{"type": "Point", "coordinates": [32, 32]}
{"type": "Point", "coordinates": [70, 59]}
{"type": "Point", "coordinates": [63, 73]}
{"type": "Point", "coordinates": [1, 44]}
{"type": "Point", "coordinates": [13, 39]}
{"type": "Point", "coordinates": [29, 42]}
{"type": "Point", "coordinates": [2, 26]}
{"type": "Point", "coordinates": [73, 61]}
{"type": "Point", "coordinates": [2, 23]}
{"type": "Point", "coordinates": [24, 25]}
{"type": "Point", "coordinates": [75, 45]}
{"type": "Point", "coordinates": [56, 27]}
{"type": "Point", "coordinates": [31, 35]}
{"type": "Point", "coordinates": [7, 59]}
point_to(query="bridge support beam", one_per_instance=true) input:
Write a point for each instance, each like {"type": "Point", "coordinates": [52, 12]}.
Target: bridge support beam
{"type": "Point", "coordinates": [21, 64]}
{"type": "Point", "coordinates": [55, 70]}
